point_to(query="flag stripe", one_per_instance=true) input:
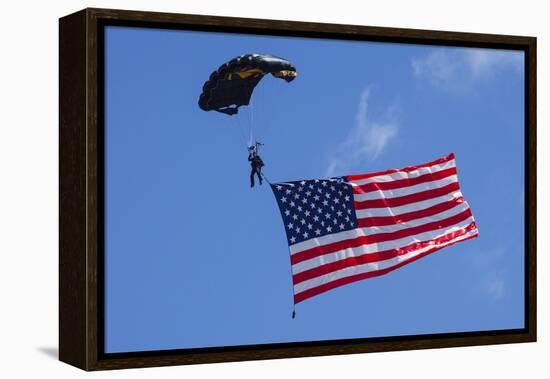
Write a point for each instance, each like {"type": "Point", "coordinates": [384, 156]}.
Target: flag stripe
{"type": "Point", "coordinates": [381, 255]}
{"type": "Point", "coordinates": [407, 171]}
{"type": "Point", "coordinates": [400, 175]}
{"type": "Point", "coordinates": [367, 214]}
{"type": "Point", "coordinates": [404, 217]}
{"type": "Point", "coordinates": [412, 198]}
{"type": "Point", "coordinates": [404, 191]}
{"type": "Point", "coordinates": [401, 183]}
{"type": "Point", "coordinates": [441, 216]}
{"type": "Point", "coordinates": [382, 237]}
{"type": "Point", "coordinates": [369, 248]}
{"type": "Point", "coordinates": [374, 232]}
{"type": "Point", "coordinates": [395, 211]}
{"type": "Point", "coordinates": [303, 295]}
{"type": "Point", "coordinates": [373, 266]}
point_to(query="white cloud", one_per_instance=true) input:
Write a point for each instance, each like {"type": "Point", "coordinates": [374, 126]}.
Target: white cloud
{"type": "Point", "coordinates": [484, 61]}
{"type": "Point", "coordinates": [494, 288]}
{"type": "Point", "coordinates": [488, 265]}
{"type": "Point", "coordinates": [458, 69]}
{"type": "Point", "coordinates": [366, 140]}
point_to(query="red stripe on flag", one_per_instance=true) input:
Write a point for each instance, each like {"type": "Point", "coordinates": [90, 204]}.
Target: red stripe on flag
{"type": "Point", "coordinates": [378, 256]}
{"type": "Point", "coordinates": [299, 297]}
{"type": "Point", "coordinates": [406, 169]}
{"type": "Point", "coordinates": [380, 237]}
{"type": "Point", "coordinates": [407, 199]}
{"type": "Point", "coordinates": [405, 217]}
{"type": "Point", "coordinates": [400, 183]}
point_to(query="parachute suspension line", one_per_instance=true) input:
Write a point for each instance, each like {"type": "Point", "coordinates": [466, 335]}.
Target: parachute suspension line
{"type": "Point", "coordinates": [251, 123]}
{"type": "Point", "coordinates": [241, 130]}
{"type": "Point", "coordinates": [257, 112]}
{"type": "Point", "coordinates": [261, 108]}
{"type": "Point", "coordinates": [239, 126]}
{"type": "Point", "coordinates": [252, 115]}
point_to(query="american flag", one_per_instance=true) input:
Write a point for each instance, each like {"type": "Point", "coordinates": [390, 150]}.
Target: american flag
{"type": "Point", "coordinates": [345, 229]}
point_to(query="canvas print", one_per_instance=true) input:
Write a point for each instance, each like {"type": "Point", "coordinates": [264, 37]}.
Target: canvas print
{"type": "Point", "coordinates": [266, 189]}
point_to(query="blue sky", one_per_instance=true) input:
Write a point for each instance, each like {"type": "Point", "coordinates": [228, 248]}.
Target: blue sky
{"type": "Point", "coordinates": [195, 258]}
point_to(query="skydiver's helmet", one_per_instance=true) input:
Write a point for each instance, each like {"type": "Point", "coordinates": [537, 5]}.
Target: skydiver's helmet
{"type": "Point", "coordinates": [252, 149]}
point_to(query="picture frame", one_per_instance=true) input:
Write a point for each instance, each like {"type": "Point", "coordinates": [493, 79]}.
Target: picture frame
{"type": "Point", "coordinates": [81, 186]}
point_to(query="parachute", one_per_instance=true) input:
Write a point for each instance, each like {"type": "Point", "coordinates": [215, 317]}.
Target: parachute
{"type": "Point", "coordinates": [232, 85]}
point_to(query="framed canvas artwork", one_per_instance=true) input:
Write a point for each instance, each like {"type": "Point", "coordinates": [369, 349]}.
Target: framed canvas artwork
{"type": "Point", "coordinates": [237, 189]}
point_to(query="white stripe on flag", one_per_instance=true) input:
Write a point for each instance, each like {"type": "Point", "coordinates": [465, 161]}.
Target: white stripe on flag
{"type": "Point", "coordinates": [375, 247]}
{"type": "Point", "coordinates": [385, 194]}
{"type": "Point", "coordinates": [406, 175]}
{"type": "Point", "coordinates": [367, 231]}
{"type": "Point", "coordinates": [412, 207]}
{"type": "Point", "coordinates": [369, 267]}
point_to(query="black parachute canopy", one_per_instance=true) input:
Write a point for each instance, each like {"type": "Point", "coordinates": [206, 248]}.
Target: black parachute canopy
{"type": "Point", "coordinates": [231, 85]}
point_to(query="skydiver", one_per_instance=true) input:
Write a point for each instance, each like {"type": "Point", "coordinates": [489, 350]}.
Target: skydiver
{"type": "Point", "coordinates": [256, 163]}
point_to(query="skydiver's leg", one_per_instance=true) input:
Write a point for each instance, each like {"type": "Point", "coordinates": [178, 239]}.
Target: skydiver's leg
{"type": "Point", "coordinates": [252, 178]}
{"type": "Point", "coordinates": [259, 173]}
